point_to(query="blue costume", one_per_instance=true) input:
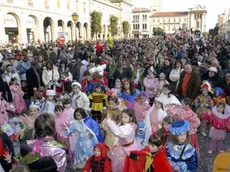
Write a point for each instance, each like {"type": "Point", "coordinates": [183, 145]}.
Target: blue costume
{"type": "Point", "coordinates": [141, 130]}
{"type": "Point", "coordinates": [181, 155]}
{"type": "Point", "coordinates": [93, 125]}
{"type": "Point", "coordinates": [85, 142]}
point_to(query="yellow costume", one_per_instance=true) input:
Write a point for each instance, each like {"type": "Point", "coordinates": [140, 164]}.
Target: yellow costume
{"type": "Point", "coordinates": [98, 101]}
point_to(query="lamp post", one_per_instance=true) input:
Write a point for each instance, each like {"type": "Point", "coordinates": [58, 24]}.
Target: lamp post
{"type": "Point", "coordinates": [75, 17]}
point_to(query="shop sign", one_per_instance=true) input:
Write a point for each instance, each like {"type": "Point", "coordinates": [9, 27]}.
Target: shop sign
{"type": "Point", "coordinates": [30, 22]}
{"type": "Point", "coordinates": [10, 21]}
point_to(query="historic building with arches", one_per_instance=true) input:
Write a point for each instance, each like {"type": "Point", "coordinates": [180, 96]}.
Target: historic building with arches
{"type": "Point", "coordinates": [25, 21]}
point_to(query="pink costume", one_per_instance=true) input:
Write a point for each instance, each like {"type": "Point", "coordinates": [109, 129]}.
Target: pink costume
{"type": "Point", "coordinates": [151, 86]}
{"type": "Point", "coordinates": [4, 107]}
{"type": "Point", "coordinates": [140, 109]}
{"type": "Point", "coordinates": [18, 100]}
{"type": "Point", "coordinates": [61, 123]}
{"type": "Point", "coordinates": [153, 121]}
{"type": "Point", "coordinates": [168, 99]}
{"type": "Point", "coordinates": [179, 113]}
{"type": "Point", "coordinates": [72, 137]}
{"type": "Point", "coordinates": [218, 128]}
{"type": "Point", "coordinates": [124, 143]}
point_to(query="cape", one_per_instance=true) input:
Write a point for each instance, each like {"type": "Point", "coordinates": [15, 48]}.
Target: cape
{"type": "Point", "coordinates": [159, 161]}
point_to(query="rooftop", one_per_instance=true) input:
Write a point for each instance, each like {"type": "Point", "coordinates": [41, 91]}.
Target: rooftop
{"type": "Point", "coordinates": [169, 14]}
{"type": "Point", "coordinates": [140, 10]}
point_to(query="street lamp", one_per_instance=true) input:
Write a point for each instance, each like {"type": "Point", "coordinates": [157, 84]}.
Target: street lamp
{"type": "Point", "coordinates": [75, 18]}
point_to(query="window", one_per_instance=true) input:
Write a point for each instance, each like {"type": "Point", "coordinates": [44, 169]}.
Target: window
{"type": "Point", "coordinates": [184, 19]}
{"type": "Point", "coordinates": [179, 19]}
{"type": "Point", "coordinates": [197, 24]}
{"type": "Point", "coordinates": [138, 26]}
{"type": "Point", "coordinates": [175, 20]}
{"type": "Point", "coordinates": [134, 26]}
{"type": "Point", "coordinates": [84, 7]}
{"type": "Point", "coordinates": [153, 20]}
{"type": "Point", "coordinates": [144, 26]}
{"type": "Point", "coordinates": [46, 3]}
{"type": "Point", "coordinates": [144, 17]}
{"type": "Point", "coordinates": [58, 4]}
{"type": "Point", "coordinates": [138, 18]}
{"type": "Point", "coordinates": [169, 20]}
{"type": "Point", "coordinates": [164, 20]}
{"type": "Point", "coordinates": [159, 20]}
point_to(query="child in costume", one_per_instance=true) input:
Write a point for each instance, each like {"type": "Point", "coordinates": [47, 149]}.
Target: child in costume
{"type": "Point", "coordinates": [17, 93]}
{"type": "Point", "coordinates": [167, 97]}
{"type": "Point", "coordinates": [128, 93]}
{"type": "Point", "coordinates": [218, 120]}
{"type": "Point", "coordinates": [68, 110]}
{"type": "Point", "coordinates": [88, 135]}
{"type": "Point", "coordinates": [5, 107]}
{"type": "Point", "coordinates": [64, 83]}
{"type": "Point", "coordinates": [219, 95]}
{"type": "Point", "coordinates": [125, 139]}
{"type": "Point", "coordinates": [162, 81]}
{"type": "Point", "coordinates": [151, 83]}
{"type": "Point", "coordinates": [181, 154]}
{"type": "Point", "coordinates": [99, 162]}
{"type": "Point", "coordinates": [153, 119]}
{"type": "Point", "coordinates": [202, 104]}
{"type": "Point", "coordinates": [153, 158]}
{"type": "Point", "coordinates": [141, 105]}
{"type": "Point", "coordinates": [118, 87]}
{"type": "Point", "coordinates": [115, 114]}
{"type": "Point", "coordinates": [98, 102]}
{"type": "Point", "coordinates": [61, 122]}
{"type": "Point", "coordinates": [184, 112]}
{"type": "Point", "coordinates": [48, 104]}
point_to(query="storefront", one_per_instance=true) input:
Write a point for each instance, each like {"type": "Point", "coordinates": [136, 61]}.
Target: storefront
{"type": "Point", "coordinates": [11, 28]}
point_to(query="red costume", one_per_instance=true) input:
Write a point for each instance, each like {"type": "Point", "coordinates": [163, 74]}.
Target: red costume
{"type": "Point", "coordinates": [159, 161]}
{"type": "Point", "coordinates": [99, 163]}
{"type": "Point", "coordinates": [99, 49]}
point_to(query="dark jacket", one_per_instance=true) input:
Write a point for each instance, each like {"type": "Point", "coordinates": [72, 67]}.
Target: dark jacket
{"type": "Point", "coordinates": [7, 143]}
{"type": "Point", "coordinates": [193, 86]}
{"type": "Point", "coordinates": [32, 81]}
{"type": "Point", "coordinates": [6, 93]}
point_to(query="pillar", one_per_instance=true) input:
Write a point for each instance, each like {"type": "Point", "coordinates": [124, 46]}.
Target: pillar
{"type": "Point", "coordinates": [2, 31]}
{"type": "Point", "coordinates": [54, 31]}
{"type": "Point", "coordinates": [22, 32]}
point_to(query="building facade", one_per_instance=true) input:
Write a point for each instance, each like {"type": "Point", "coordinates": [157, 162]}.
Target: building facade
{"type": "Point", "coordinates": [140, 22]}
{"type": "Point", "coordinates": [224, 24]}
{"type": "Point", "coordinates": [26, 21]}
{"type": "Point", "coordinates": [170, 22]}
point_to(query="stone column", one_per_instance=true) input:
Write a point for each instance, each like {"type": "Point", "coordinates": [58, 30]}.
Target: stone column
{"type": "Point", "coordinates": [55, 31]}
{"type": "Point", "coordinates": [22, 32]}
{"type": "Point", "coordinates": [2, 31]}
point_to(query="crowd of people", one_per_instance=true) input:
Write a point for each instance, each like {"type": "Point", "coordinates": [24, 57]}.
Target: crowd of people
{"type": "Point", "coordinates": [113, 106]}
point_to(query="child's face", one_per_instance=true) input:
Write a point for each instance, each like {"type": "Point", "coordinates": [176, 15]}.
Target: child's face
{"type": "Point", "coordinates": [78, 116]}
{"type": "Point", "coordinates": [166, 126]}
{"type": "Point", "coordinates": [14, 82]}
{"type": "Point", "coordinates": [182, 138]}
{"type": "Point", "coordinates": [126, 85]}
{"type": "Point", "coordinates": [162, 78]}
{"type": "Point", "coordinates": [75, 89]}
{"type": "Point", "coordinates": [118, 83]}
{"type": "Point", "coordinates": [97, 152]}
{"type": "Point", "coordinates": [220, 109]}
{"type": "Point", "coordinates": [67, 106]}
{"type": "Point", "coordinates": [33, 111]}
{"type": "Point", "coordinates": [58, 112]}
{"type": "Point", "coordinates": [205, 91]}
{"type": "Point", "coordinates": [166, 91]}
{"type": "Point", "coordinates": [142, 99]}
{"type": "Point", "coordinates": [98, 89]}
{"type": "Point", "coordinates": [157, 104]}
{"type": "Point", "coordinates": [50, 97]}
{"type": "Point", "coordinates": [125, 118]}
{"type": "Point", "coordinates": [153, 148]}
{"type": "Point", "coordinates": [112, 104]}
{"type": "Point", "coordinates": [217, 93]}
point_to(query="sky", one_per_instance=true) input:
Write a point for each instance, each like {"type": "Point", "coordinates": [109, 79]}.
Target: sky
{"type": "Point", "coordinates": [214, 7]}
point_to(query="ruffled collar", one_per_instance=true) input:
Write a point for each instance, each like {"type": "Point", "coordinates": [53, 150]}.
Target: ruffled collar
{"type": "Point", "coordinates": [175, 151]}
